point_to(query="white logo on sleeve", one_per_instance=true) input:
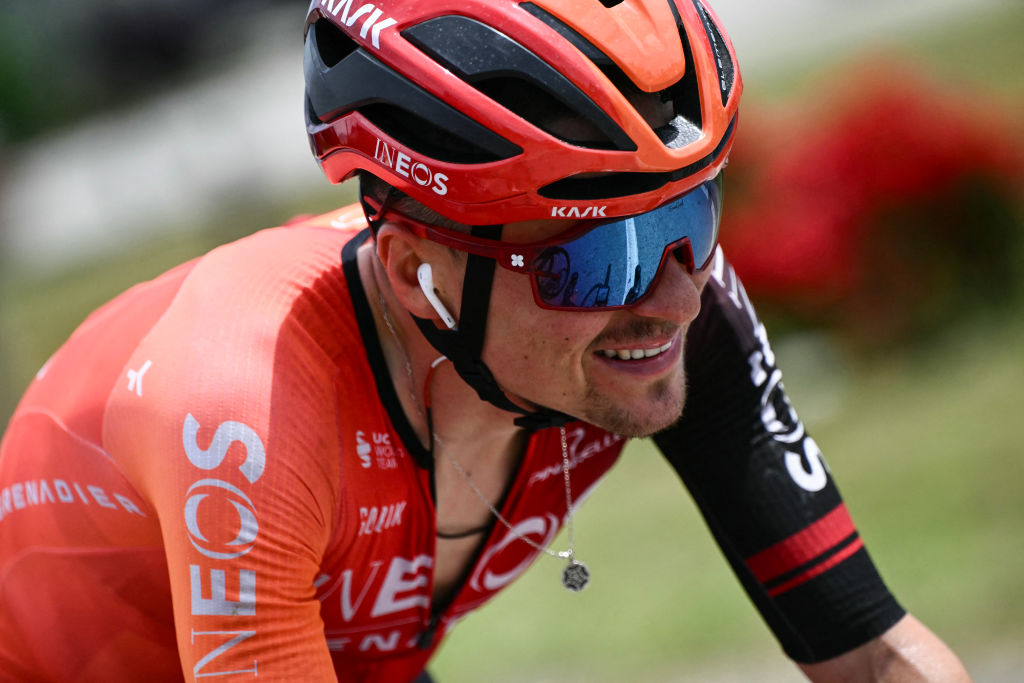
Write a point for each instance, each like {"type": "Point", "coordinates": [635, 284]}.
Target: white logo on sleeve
{"type": "Point", "coordinates": [135, 377]}
{"type": "Point", "coordinates": [363, 449]}
{"type": "Point", "coordinates": [377, 449]}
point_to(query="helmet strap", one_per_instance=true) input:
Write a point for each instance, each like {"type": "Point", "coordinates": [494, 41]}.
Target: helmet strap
{"type": "Point", "coordinates": [464, 346]}
{"type": "Point", "coordinates": [373, 215]}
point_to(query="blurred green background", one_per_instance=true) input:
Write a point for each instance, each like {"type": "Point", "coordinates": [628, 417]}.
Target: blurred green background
{"type": "Point", "coordinates": [919, 424]}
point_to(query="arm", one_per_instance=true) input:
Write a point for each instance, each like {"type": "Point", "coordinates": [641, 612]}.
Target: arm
{"type": "Point", "coordinates": [770, 500]}
{"type": "Point", "coordinates": [233, 442]}
{"type": "Point", "coordinates": [906, 653]}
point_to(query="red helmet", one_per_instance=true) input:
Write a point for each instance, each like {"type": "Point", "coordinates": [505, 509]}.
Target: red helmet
{"type": "Point", "coordinates": [493, 111]}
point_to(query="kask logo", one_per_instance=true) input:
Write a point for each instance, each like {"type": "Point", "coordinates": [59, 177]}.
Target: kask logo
{"type": "Point", "coordinates": [373, 20]}
{"type": "Point", "coordinates": [578, 211]}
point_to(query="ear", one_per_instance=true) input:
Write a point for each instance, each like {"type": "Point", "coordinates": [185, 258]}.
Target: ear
{"type": "Point", "coordinates": [401, 253]}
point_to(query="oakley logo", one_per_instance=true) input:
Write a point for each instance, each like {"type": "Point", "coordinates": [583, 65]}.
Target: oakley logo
{"type": "Point", "coordinates": [418, 172]}
{"type": "Point", "coordinates": [578, 212]}
{"type": "Point", "coordinates": [372, 23]}
{"type": "Point", "coordinates": [498, 568]}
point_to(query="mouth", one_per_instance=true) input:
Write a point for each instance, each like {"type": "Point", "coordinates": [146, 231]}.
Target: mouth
{"type": "Point", "coordinates": [636, 353]}
{"type": "Point", "coordinates": [639, 359]}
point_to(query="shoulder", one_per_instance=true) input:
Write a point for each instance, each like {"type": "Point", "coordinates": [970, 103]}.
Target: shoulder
{"type": "Point", "coordinates": [246, 353]}
{"type": "Point", "coordinates": [248, 310]}
{"type": "Point", "coordinates": [727, 317]}
{"type": "Point", "coordinates": [730, 366]}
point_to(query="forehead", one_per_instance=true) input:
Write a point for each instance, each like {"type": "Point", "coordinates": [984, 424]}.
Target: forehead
{"type": "Point", "coordinates": [523, 232]}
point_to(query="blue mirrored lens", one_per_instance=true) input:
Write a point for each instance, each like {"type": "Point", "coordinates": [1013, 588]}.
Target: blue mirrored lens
{"type": "Point", "coordinates": [615, 264]}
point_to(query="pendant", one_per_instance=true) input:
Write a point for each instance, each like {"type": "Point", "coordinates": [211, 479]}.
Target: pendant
{"type": "Point", "coordinates": [575, 576]}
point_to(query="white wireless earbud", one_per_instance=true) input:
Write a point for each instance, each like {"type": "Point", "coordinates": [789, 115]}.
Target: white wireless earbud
{"type": "Point", "coordinates": [426, 278]}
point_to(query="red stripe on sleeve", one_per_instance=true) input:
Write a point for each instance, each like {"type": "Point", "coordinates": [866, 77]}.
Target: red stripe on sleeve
{"type": "Point", "coordinates": [817, 569]}
{"type": "Point", "coordinates": [803, 546]}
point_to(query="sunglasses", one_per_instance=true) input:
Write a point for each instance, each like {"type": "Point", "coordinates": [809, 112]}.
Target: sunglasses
{"type": "Point", "coordinates": [599, 266]}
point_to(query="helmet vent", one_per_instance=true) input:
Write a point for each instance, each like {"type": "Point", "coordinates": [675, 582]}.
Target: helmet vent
{"type": "Point", "coordinates": [726, 68]}
{"type": "Point", "coordinates": [423, 136]}
{"type": "Point", "coordinates": [611, 3]}
{"type": "Point", "coordinates": [545, 111]}
{"type": "Point", "coordinates": [685, 127]}
{"type": "Point", "coordinates": [582, 44]}
{"type": "Point", "coordinates": [518, 79]}
{"type": "Point", "coordinates": [609, 185]}
{"type": "Point", "coordinates": [604, 186]}
{"type": "Point", "coordinates": [399, 107]}
{"type": "Point", "coordinates": [332, 43]}
{"type": "Point", "coordinates": [676, 128]}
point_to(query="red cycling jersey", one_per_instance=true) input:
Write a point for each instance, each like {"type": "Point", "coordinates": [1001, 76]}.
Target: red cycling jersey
{"type": "Point", "coordinates": [206, 472]}
{"type": "Point", "coordinates": [213, 478]}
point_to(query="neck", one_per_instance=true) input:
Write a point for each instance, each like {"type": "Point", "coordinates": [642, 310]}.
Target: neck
{"type": "Point", "coordinates": [461, 421]}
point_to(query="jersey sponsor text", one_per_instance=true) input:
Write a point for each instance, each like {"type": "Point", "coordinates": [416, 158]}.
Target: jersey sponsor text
{"type": "Point", "coordinates": [27, 494]}
{"type": "Point", "coordinates": [208, 584]}
{"type": "Point", "coordinates": [373, 520]}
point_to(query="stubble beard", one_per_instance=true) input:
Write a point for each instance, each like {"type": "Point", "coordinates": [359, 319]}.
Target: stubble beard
{"type": "Point", "coordinates": [662, 406]}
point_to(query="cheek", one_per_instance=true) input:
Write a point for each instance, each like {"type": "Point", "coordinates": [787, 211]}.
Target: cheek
{"type": "Point", "coordinates": [700, 278]}
{"type": "Point", "coordinates": [515, 324]}
{"type": "Point", "coordinates": [519, 330]}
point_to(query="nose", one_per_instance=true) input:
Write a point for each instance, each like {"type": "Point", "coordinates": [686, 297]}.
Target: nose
{"type": "Point", "coordinates": [676, 294]}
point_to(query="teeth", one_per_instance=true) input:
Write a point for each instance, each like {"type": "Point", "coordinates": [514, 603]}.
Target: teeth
{"type": "Point", "coordinates": [635, 354]}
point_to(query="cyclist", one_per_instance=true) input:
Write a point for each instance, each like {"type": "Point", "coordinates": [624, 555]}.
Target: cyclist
{"type": "Point", "coordinates": [306, 454]}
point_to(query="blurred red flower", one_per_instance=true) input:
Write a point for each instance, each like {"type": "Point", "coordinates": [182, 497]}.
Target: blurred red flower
{"type": "Point", "coordinates": [879, 206]}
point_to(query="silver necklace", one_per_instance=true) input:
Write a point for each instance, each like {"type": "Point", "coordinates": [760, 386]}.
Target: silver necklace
{"type": "Point", "coordinates": [575, 575]}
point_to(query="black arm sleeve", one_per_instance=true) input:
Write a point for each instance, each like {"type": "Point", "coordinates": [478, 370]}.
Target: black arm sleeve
{"type": "Point", "coordinates": [764, 488]}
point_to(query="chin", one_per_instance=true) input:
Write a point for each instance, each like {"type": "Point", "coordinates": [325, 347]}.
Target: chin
{"type": "Point", "coordinates": [660, 409]}
{"type": "Point", "coordinates": [635, 427]}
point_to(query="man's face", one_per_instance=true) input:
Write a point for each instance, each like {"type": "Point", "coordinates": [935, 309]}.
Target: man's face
{"type": "Point", "coordinates": [573, 361]}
